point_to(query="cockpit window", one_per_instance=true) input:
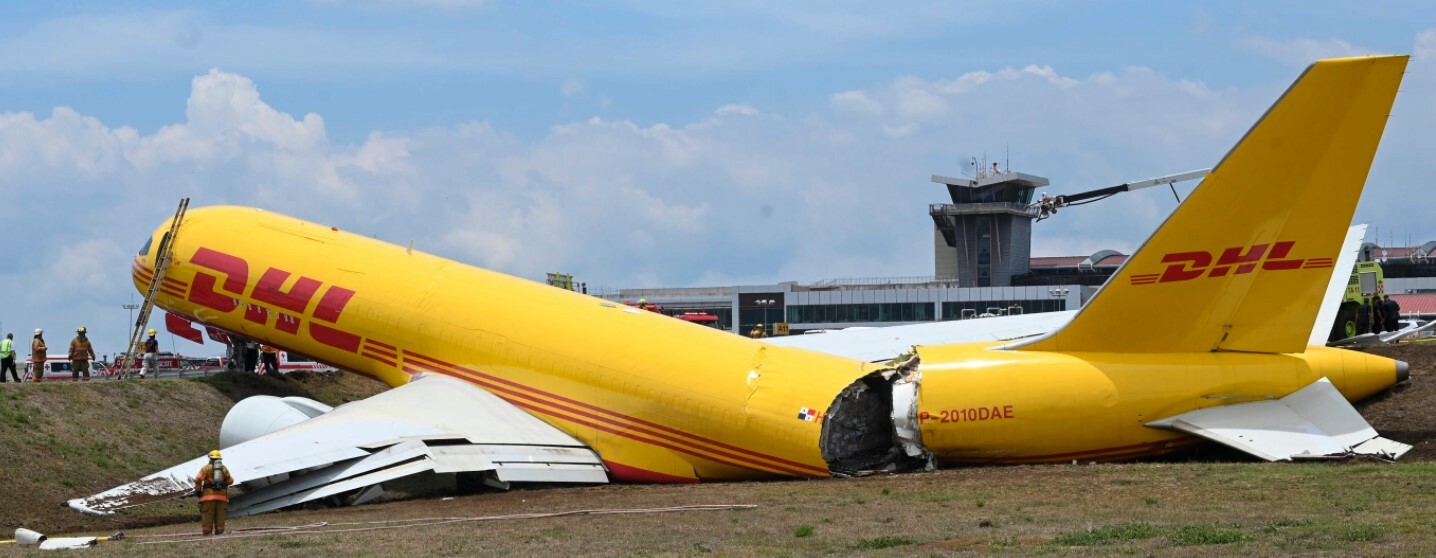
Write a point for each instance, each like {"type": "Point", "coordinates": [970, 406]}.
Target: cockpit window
{"type": "Point", "coordinates": [145, 250]}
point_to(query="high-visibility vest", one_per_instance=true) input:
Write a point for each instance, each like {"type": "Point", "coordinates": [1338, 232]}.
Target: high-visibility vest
{"type": "Point", "coordinates": [7, 348]}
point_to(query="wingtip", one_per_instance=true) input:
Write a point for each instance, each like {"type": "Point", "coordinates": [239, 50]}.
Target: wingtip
{"type": "Point", "coordinates": [1403, 371]}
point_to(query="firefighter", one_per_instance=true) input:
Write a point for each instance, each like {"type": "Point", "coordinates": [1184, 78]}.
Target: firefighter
{"type": "Point", "coordinates": [758, 332]}
{"type": "Point", "coordinates": [211, 485]}
{"type": "Point", "coordinates": [80, 354]}
{"type": "Point", "coordinates": [269, 358]}
{"type": "Point", "coordinates": [37, 355]}
{"type": "Point", "coordinates": [7, 358]}
{"type": "Point", "coordinates": [152, 356]}
{"type": "Point", "coordinates": [1392, 311]}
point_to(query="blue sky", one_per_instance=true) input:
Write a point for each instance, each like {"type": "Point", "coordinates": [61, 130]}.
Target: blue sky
{"type": "Point", "coordinates": [638, 143]}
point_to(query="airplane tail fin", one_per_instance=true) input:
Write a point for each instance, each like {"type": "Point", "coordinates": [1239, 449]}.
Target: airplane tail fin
{"type": "Point", "coordinates": [1243, 263]}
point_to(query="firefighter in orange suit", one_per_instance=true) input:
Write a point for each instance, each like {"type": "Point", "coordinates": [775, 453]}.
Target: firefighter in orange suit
{"type": "Point", "coordinates": [269, 357]}
{"type": "Point", "coordinates": [37, 356]}
{"type": "Point", "coordinates": [212, 487]}
{"type": "Point", "coordinates": [81, 352]}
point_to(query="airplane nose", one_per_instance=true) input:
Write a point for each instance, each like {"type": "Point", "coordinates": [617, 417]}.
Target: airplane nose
{"type": "Point", "coordinates": [140, 272]}
{"type": "Point", "coordinates": [1403, 371]}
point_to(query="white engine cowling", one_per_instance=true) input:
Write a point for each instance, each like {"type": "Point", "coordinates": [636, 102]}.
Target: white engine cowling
{"type": "Point", "coordinates": [259, 415]}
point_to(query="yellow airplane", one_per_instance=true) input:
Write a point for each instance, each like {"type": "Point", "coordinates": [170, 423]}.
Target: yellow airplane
{"type": "Point", "coordinates": [1201, 335]}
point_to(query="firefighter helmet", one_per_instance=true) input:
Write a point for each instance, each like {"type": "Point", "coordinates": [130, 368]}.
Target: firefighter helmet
{"type": "Point", "coordinates": [152, 332]}
{"type": "Point", "coordinates": [39, 331]}
{"type": "Point", "coordinates": [214, 455]}
{"type": "Point", "coordinates": [80, 329]}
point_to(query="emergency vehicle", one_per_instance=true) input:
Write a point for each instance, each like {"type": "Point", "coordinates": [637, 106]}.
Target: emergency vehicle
{"type": "Point", "coordinates": [57, 368]}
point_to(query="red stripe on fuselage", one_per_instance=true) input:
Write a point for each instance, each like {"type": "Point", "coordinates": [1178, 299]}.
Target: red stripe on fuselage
{"type": "Point", "coordinates": [634, 474]}
{"type": "Point", "coordinates": [380, 359]}
{"type": "Point", "coordinates": [1135, 450]}
{"type": "Point", "coordinates": [384, 345]}
{"type": "Point", "coordinates": [628, 432]}
{"type": "Point", "coordinates": [815, 470]}
{"type": "Point", "coordinates": [379, 351]}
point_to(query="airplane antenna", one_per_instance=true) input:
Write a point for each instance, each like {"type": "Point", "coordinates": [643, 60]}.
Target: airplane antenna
{"type": "Point", "coordinates": [410, 249]}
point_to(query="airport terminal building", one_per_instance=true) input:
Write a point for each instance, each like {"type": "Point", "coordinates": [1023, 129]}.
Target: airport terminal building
{"type": "Point", "coordinates": [981, 246]}
{"type": "Point", "coordinates": [982, 266]}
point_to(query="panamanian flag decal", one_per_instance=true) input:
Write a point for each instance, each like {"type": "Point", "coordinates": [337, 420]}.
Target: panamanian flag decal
{"type": "Point", "coordinates": [807, 414]}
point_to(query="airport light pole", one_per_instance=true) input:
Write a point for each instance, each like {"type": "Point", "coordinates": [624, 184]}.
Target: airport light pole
{"type": "Point", "coordinates": [131, 306]}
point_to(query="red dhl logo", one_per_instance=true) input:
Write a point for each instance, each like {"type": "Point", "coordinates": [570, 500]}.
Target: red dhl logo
{"type": "Point", "coordinates": [1185, 266]}
{"type": "Point", "coordinates": [216, 293]}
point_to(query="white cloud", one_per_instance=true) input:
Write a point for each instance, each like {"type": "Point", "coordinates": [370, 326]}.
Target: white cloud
{"type": "Point", "coordinates": [86, 265]}
{"type": "Point", "coordinates": [736, 109]}
{"type": "Point", "coordinates": [1300, 53]}
{"type": "Point", "coordinates": [573, 87]}
{"type": "Point", "coordinates": [740, 195]}
{"type": "Point", "coordinates": [130, 45]}
{"type": "Point", "coordinates": [1425, 48]}
{"type": "Point", "coordinates": [855, 102]}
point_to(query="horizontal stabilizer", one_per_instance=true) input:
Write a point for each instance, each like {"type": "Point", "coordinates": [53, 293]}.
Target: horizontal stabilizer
{"type": "Point", "coordinates": [1315, 422]}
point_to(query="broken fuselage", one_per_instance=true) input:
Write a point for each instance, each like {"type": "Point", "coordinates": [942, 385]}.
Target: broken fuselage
{"type": "Point", "coordinates": [661, 400]}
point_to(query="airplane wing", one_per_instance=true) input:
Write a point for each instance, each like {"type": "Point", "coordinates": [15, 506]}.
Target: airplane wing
{"type": "Point", "coordinates": [886, 343]}
{"type": "Point", "coordinates": [1403, 333]}
{"type": "Point", "coordinates": [1314, 422]}
{"type": "Point", "coordinates": [1363, 340]}
{"type": "Point", "coordinates": [434, 423]}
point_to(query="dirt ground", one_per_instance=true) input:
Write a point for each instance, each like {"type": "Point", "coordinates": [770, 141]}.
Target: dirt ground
{"type": "Point", "coordinates": [1407, 413]}
{"type": "Point", "coordinates": [1210, 503]}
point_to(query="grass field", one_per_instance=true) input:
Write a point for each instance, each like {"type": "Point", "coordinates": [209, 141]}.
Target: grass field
{"type": "Point", "coordinates": [1211, 503]}
{"type": "Point", "coordinates": [1170, 509]}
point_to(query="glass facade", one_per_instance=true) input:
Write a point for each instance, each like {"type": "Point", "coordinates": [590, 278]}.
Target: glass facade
{"type": "Point", "coordinates": [850, 313]}
{"type": "Point", "coordinates": [1008, 192]}
{"type": "Point", "coordinates": [759, 308]}
{"type": "Point", "coordinates": [960, 310]}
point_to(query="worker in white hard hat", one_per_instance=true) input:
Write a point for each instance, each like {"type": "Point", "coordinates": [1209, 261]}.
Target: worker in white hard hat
{"type": "Point", "coordinates": [212, 487]}
{"type": "Point", "coordinates": [81, 352]}
{"type": "Point", "coordinates": [37, 355]}
{"type": "Point", "coordinates": [152, 356]}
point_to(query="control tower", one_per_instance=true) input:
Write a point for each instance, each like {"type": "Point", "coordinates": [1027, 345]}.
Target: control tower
{"type": "Point", "coordinates": [984, 237]}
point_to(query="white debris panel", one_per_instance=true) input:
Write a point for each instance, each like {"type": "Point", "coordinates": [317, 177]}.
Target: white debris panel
{"type": "Point", "coordinates": [1315, 422]}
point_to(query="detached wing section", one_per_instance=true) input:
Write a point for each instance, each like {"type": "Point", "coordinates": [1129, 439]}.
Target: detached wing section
{"type": "Point", "coordinates": [1315, 422]}
{"type": "Point", "coordinates": [434, 423]}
